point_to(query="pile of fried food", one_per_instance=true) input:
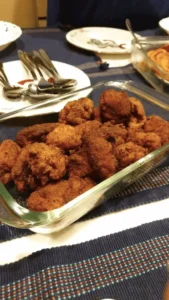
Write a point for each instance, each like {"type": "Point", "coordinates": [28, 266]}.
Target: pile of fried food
{"type": "Point", "coordinates": [56, 162]}
{"type": "Point", "coordinates": [160, 56]}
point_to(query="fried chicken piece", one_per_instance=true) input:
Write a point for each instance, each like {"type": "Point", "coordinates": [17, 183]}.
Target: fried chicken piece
{"type": "Point", "coordinates": [88, 126]}
{"type": "Point", "coordinates": [100, 153]}
{"type": "Point", "coordinates": [49, 197]}
{"type": "Point", "coordinates": [159, 126]}
{"type": "Point", "coordinates": [128, 153]}
{"type": "Point", "coordinates": [55, 195]}
{"type": "Point", "coordinates": [114, 133]}
{"type": "Point", "coordinates": [65, 137]}
{"type": "Point", "coordinates": [77, 112]}
{"type": "Point", "coordinates": [115, 106]}
{"type": "Point", "coordinates": [149, 140]}
{"type": "Point", "coordinates": [36, 165]}
{"type": "Point", "coordinates": [97, 114]}
{"type": "Point", "coordinates": [9, 152]}
{"type": "Point", "coordinates": [137, 116]}
{"type": "Point", "coordinates": [79, 164]}
{"type": "Point", "coordinates": [78, 186]}
{"type": "Point", "coordinates": [35, 133]}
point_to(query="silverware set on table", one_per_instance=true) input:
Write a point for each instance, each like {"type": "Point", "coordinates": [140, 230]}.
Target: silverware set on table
{"type": "Point", "coordinates": [45, 83]}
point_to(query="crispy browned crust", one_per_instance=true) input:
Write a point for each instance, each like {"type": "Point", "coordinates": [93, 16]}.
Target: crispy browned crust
{"type": "Point", "coordinates": [55, 195]}
{"type": "Point", "coordinates": [149, 140]}
{"type": "Point", "coordinates": [129, 153]}
{"type": "Point", "coordinates": [65, 137]}
{"type": "Point", "coordinates": [100, 153]}
{"type": "Point", "coordinates": [115, 106]}
{"type": "Point", "coordinates": [159, 126]}
{"type": "Point", "coordinates": [137, 117]}
{"type": "Point", "coordinates": [116, 134]}
{"type": "Point", "coordinates": [38, 164]}
{"type": "Point", "coordinates": [9, 152]}
{"type": "Point", "coordinates": [35, 133]}
{"type": "Point", "coordinates": [77, 112]}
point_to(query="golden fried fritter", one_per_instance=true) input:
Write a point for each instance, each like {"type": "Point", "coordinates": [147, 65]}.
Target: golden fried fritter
{"type": "Point", "coordinates": [9, 152]}
{"type": "Point", "coordinates": [79, 164]}
{"type": "Point", "coordinates": [97, 114]}
{"type": "Point", "coordinates": [114, 133]}
{"type": "Point", "coordinates": [137, 116]}
{"type": "Point", "coordinates": [78, 186]}
{"type": "Point", "coordinates": [115, 106]}
{"type": "Point", "coordinates": [88, 126]}
{"type": "Point", "coordinates": [77, 112]}
{"type": "Point", "coordinates": [128, 153]}
{"type": "Point", "coordinates": [36, 165]}
{"type": "Point", "coordinates": [159, 126]}
{"type": "Point", "coordinates": [57, 194]}
{"type": "Point", "coordinates": [149, 140]}
{"type": "Point", "coordinates": [65, 137]}
{"type": "Point", "coordinates": [35, 133]}
{"type": "Point", "coordinates": [49, 197]}
{"type": "Point", "coordinates": [100, 153]}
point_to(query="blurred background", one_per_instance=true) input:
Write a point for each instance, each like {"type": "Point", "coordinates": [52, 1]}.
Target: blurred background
{"type": "Point", "coordinates": [25, 13]}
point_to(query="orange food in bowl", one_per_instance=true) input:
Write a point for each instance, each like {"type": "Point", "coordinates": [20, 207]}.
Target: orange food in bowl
{"type": "Point", "coordinates": [161, 57]}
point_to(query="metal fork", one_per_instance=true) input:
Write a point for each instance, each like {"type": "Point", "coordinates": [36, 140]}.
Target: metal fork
{"type": "Point", "coordinates": [49, 66]}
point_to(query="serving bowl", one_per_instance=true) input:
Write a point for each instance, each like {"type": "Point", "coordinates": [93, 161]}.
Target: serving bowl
{"type": "Point", "coordinates": [13, 213]}
{"type": "Point", "coordinates": [8, 33]}
{"type": "Point", "coordinates": [153, 74]}
{"type": "Point", "coordinates": [164, 24]}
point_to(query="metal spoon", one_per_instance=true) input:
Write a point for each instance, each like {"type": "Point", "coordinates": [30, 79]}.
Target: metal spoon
{"type": "Point", "coordinates": [48, 65]}
{"type": "Point", "coordinates": [129, 27]}
{"type": "Point", "coordinates": [40, 90]}
{"type": "Point", "coordinates": [28, 64]}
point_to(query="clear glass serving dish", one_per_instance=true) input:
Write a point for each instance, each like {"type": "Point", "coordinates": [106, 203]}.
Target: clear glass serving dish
{"type": "Point", "coordinates": [16, 215]}
{"type": "Point", "coordinates": [155, 75]}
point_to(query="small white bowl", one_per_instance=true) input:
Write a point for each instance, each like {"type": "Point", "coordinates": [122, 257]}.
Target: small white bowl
{"type": "Point", "coordinates": [164, 24]}
{"type": "Point", "coordinates": [9, 33]}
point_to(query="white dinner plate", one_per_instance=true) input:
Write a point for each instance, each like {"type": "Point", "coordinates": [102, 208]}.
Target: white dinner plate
{"type": "Point", "coordinates": [16, 72]}
{"type": "Point", "coordinates": [89, 38]}
{"type": "Point", "coordinates": [8, 33]}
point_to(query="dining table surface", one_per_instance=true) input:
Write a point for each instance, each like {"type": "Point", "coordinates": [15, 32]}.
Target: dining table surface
{"type": "Point", "coordinates": [117, 251]}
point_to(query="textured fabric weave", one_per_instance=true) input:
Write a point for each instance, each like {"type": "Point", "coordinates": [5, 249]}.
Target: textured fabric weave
{"type": "Point", "coordinates": [126, 265]}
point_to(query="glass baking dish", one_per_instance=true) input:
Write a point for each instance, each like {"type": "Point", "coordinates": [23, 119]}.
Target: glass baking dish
{"type": "Point", "coordinates": [16, 215]}
{"type": "Point", "coordinates": [155, 75]}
